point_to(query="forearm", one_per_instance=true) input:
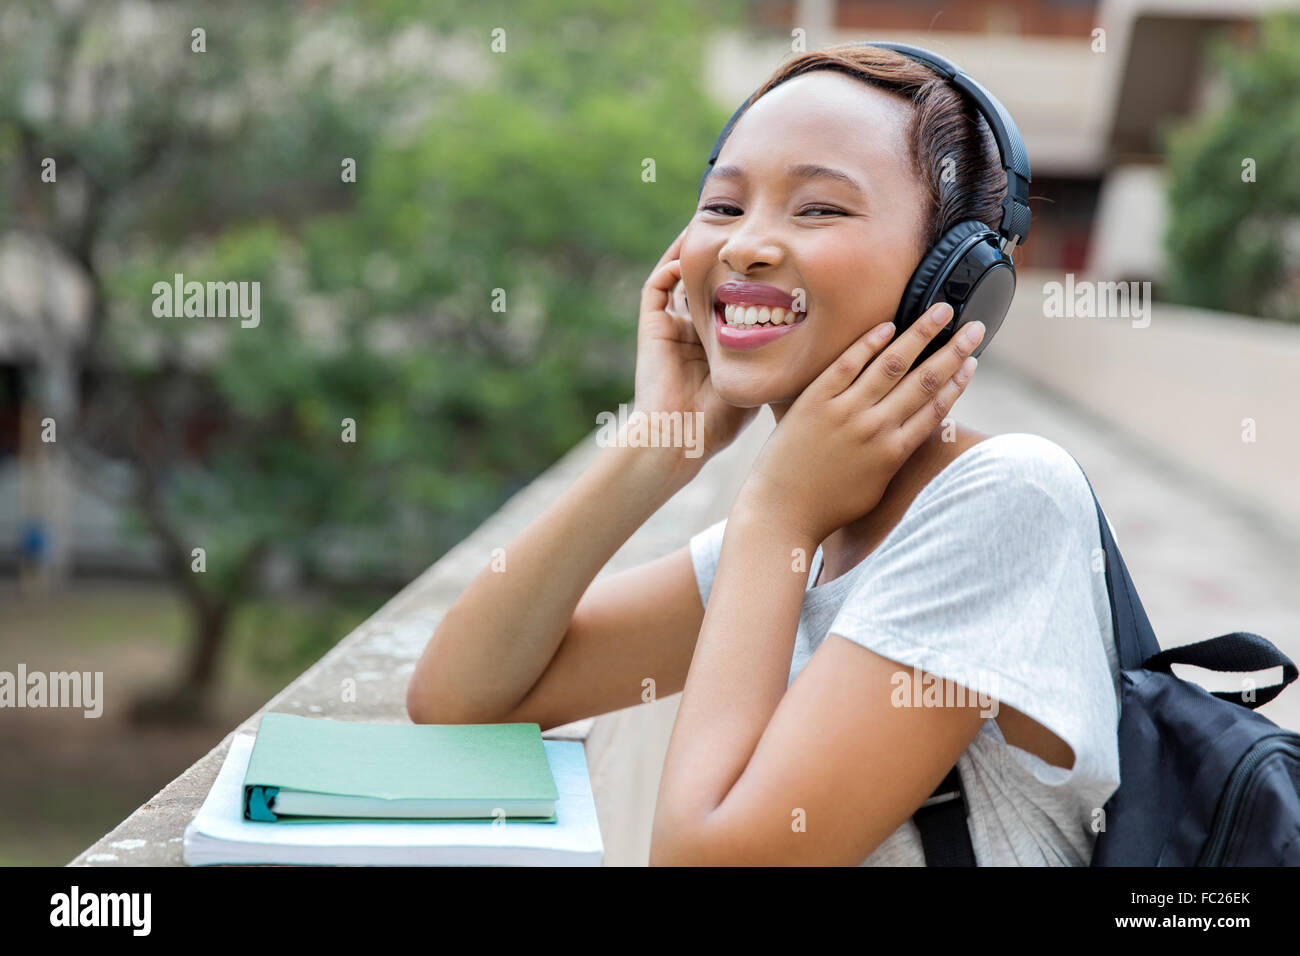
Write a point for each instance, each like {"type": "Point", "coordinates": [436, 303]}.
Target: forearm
{"type": "Point", "coordinates": [739, 672]}
{"type": "Point", "coordinates": [500, 635]}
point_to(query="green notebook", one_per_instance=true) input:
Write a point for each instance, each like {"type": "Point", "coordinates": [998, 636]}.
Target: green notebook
{"type": "Point", "coordinates": [305, 768]}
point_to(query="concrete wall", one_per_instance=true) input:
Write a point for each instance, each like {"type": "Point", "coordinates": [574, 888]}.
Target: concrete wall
{"type": "Point", "coordinates": [1182, 385]}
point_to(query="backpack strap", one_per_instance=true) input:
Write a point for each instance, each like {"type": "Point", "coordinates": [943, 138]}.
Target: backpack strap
{"type": "Point", "coordinates": [1135, 641]}
{"type": "Point", "coordinates": [942, 822]}
{"type": "Point", "coordinates": [1238, 652]}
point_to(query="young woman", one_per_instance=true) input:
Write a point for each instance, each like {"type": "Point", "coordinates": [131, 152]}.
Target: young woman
{"type": "Point", "coordinates": [952, 610]}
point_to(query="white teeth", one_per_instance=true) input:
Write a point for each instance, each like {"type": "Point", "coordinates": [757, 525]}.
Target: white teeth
{"type": "Point", "coordinates": [740, 315]}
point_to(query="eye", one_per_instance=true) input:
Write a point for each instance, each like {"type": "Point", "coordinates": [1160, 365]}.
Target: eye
{"type": "Point", "coordinates": [719, 207]}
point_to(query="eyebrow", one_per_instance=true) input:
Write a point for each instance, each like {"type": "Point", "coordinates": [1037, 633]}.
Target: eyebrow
{"type": "Point", "coordinates": [803, 171]}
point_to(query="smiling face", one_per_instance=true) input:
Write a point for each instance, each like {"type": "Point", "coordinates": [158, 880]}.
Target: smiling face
{"type": "Point", "coordinates": [762, 220]}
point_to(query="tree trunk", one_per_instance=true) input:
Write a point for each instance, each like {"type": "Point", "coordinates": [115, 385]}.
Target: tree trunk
{"type": "Point", "coordinates": [187, 701]}
{"type": "Point", "coordinates": [209, 634]}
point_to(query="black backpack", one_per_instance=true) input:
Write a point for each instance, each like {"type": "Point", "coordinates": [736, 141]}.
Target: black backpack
{"type": "Point", "coordinates": [1204, 781]}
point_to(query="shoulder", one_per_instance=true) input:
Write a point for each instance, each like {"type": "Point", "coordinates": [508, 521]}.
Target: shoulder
{"type": "Point", "coordinates": [1019, 459]}
{"type": "Point", "coordinates": [1004, 475]}
{"type": "Point", "coordinates": [1001, 542]}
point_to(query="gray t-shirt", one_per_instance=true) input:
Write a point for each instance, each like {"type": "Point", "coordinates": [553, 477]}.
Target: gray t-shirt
{"type": "Point", "coordinates": [994, 578]}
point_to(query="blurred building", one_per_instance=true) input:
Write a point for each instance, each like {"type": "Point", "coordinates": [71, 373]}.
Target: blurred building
{"type": "Point", "coordinates": [50, 521]}
{"type": "Point", "coordinates": [1090, 84]}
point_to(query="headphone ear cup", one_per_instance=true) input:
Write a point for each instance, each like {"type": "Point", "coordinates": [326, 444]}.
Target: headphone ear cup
{"type": "Point", "coordinates": [965, 268]}
{"type": "Point", "coordinates": [922, 288]}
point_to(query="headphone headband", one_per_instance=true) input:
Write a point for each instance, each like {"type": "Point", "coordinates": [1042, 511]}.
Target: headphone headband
{"type": "Point", "coordinates": [1014, 225]}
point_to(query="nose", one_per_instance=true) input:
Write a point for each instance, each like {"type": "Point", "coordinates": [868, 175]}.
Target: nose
{"type": "Point", "coordinates": [750, 246]}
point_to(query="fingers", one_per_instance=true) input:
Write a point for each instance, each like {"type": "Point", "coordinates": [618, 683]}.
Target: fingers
{"type": "Point", "coordinates": [925, 383]}
{"type": "Point", "coordinates": [889, 368]}
{"type": "Point", "coordinates": [935, 409]}
{"type": "Point", "coordinates": [840, 374]}
{"type": "Point", "coordinates": [657, 292]}
{"type": "Point", "coordinates": [665, 277]}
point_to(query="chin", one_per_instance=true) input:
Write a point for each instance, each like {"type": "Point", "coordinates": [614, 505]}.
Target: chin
{"type": "Point", "coordinates": [750, 391]}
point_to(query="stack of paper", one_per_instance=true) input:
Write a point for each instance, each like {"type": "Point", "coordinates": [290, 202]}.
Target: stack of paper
{"type": "Point", "coordinates": [220, 833]}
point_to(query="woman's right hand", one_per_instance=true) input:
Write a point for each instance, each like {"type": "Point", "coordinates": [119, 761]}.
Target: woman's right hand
{"type": "Point", "coordinates": [672, 370]}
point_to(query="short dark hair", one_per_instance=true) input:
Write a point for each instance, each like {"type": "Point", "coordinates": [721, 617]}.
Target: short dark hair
{"type": "Point", "coordinates": [944, 125]}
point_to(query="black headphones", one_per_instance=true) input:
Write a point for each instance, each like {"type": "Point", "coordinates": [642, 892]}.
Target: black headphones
{"type": "Point", "coordinates": [970, 267]}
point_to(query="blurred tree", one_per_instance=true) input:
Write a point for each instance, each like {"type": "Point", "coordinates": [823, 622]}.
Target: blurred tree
{"type": "Point", "coordinates": [1234, 184]}
{"type": "Point", "coordinates": [485, 175]}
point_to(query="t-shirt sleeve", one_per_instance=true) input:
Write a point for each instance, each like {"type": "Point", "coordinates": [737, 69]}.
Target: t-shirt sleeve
{"type": "Point", "coordinates": [990, 581]}
{"type": "Point", "coordinates": [706, 548]}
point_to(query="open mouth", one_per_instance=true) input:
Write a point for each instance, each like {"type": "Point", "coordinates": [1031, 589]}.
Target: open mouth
{"type": "Point", "coordinates": [743, 327]}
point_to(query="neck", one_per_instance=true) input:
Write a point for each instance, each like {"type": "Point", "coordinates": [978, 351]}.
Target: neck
{"type": "Point", "coordinates": [846, 547]}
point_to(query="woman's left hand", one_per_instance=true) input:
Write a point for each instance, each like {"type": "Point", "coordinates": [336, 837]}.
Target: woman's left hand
{"type": "Point", "coordinates": [840, 443]}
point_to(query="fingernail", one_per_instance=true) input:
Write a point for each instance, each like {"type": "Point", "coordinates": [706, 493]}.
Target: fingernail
{"type": "Point", "coordinates": [973, 332]}
{"type": "Point", "coordinates": [966, 371]}
{"type": "Point", "coordinates": [883, 332]}
{"type": "Point", "coordinates": [941, 313]}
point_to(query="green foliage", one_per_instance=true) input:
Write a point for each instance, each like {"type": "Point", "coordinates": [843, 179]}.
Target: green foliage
{"type": "Point", "coordinates": [1235, 245]}
{"type": "Point", "coordinates": [483, 177]}
{"type": "Point", "coordinates": [281, 639]}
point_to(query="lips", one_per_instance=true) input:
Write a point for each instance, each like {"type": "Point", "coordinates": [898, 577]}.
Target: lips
{"type": "Point", "coordinates": [753, 293]}
{"type": "Point", "coordinates": [760, 300]}
{"type": "Point", "coordinates": [747, 337]}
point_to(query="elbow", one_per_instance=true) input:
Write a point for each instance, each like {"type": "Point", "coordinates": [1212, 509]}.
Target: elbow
{"type": "Point", "coordinates": [424, 703]}
{"type": "Point", "coordinates": [417, 694]}
{"type": "Point", "coordinates": [695, 836]}
{"type": "Point", "coordinates": [682, 851]}
{"type": "Point", "coordinates": [672, 843]}
{"type": "Point", "coordinates": [436, 696]}
{"type": "Point", "coordinates": [664, 853]}
{"type": "Point", "coordinates": [415, 703]}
